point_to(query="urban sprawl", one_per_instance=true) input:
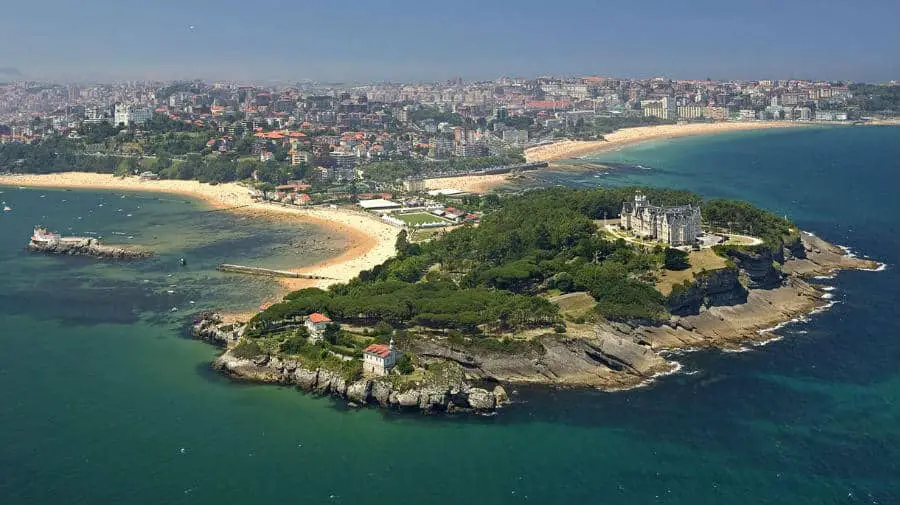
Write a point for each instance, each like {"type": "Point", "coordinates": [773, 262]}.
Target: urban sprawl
{"type": "Point", "coordinates": [323, 143]}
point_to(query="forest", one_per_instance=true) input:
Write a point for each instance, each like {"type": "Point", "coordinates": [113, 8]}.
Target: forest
{"type": "Point", "coordinates": [494, 278]}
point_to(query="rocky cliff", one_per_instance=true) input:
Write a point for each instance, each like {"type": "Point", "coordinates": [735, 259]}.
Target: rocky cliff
{"type": "Point", "coordinates": [88, 247]}
{"type": "Point", "coordinates": [710, 289]}
{"type": "Point", "coordinates": [450, 392]}
{"type": "Point", "coordinates": [759, 267]}
{"type": "Point", "coordinates": [716, 311]}
{"type": "Point", "coordinates": [450, 396]}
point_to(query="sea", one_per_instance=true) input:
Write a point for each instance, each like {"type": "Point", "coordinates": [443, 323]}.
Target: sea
{"type": "Point", "coordinates": [104, 398]}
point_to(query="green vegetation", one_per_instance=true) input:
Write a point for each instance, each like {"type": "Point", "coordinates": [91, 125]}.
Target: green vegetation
{"type": "Point", "coordinates": [742, 217]}
{"type": "Point", "coordinates": [419, 218]}
{"type": "Point", "coordinates": [484, 280]}
{"type": "Point", "coordinates": [591, 130]}
{"type": "Point", "coordinates": [676, 259]}
{"type": "Point", "coordinates": [875, 97]}
{"type": "Point", "coordinates": [389, 171]}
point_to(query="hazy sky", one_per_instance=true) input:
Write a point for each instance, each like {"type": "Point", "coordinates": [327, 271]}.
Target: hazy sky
{"type": "Point", "coordinates": [399, 40]}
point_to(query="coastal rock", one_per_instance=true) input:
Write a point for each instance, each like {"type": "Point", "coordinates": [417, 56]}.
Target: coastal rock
{"type": "Point", "coordinates": [209, 327]}
{"type": "Point", "coordinates": [709, 289]}
{"type": "Point", "coordinates": [306, 379]}
{"type": "Point", "coordinates": [360, 392]}
{"type": "Point", "coordinates": [481, 399]}
{"type": "Point", "coordinates": [381, 392]}
{"type": "Point", "coordinates": [500, 395]}
{"type": "Point", "coordinates": [759, 266]}
{"type": "Point", "coordinates": [408, 398]}
{"type": "Point", "coordinates": [88, 247]}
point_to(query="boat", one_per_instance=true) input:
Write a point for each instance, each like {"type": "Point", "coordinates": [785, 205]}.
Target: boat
{"type": "Point", "coordinates": [7, 208]}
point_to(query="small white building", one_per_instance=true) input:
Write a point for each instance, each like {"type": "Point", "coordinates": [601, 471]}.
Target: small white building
{"type": "Point", "coordinates": [378, 359]}
{"type": "Point", "coordinates": [316, 324]}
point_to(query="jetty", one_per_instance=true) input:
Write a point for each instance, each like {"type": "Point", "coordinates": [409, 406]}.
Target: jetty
{"type": "Point", "coordinates": [53, 243]}
{"type": "Point", "coordinates": [268, 272]}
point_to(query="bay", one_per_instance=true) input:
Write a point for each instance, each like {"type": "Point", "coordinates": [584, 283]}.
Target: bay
{"type": "Point", "coordinates": [104, 400]}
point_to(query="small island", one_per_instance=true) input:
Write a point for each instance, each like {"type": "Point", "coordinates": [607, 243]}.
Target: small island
{"type": "Point", "coordinates": [558, 287]}
{"type": "Point", "coordinates": [53, 243]}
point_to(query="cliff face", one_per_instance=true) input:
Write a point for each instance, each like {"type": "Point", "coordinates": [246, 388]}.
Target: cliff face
{"type": "Point", "coordinates": [759, 267]}
{"type": "Point", "coordinates": [710, 289]}
{"type": "Point", "coordinates": [451, 396]}
{"type": "Point", "coordinates": [88, 247]}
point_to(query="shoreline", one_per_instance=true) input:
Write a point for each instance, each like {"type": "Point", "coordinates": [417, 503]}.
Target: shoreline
{"type": "Point", "coordinates": [565, 149]}
{"type": "Point", "coordinates": [628, 136]}
{"type": "Point", "coordinates": [370, 241]}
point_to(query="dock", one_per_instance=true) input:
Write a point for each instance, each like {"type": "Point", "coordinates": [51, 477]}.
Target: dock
{"type": "Point", "coordinates": [268, 272]}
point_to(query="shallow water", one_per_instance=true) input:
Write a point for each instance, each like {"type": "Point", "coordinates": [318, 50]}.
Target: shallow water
{"type": "Point", "coordinates": [104, 401]}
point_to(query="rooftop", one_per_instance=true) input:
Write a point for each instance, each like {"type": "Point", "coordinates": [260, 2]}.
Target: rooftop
{"type": "Point", "coordinates": [316, 317]}
{"type": "Point", "coordinates": [378, 350]}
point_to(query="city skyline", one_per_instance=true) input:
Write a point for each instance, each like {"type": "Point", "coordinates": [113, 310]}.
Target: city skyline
{"type": "Point", "coordinates": [108, 41]}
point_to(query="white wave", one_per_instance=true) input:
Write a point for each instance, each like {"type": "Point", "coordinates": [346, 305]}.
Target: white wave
{"type": "Point", "coordinates": [827, 296]}
{"type": "Point", "coordinates": [825, 277]}
{"type": "Point", "coordinates": [847, 251]}
{"type": "Point", "coordinates": [828, 288]}
{"type": "Point", "coordinates": [764, 343]}
{"type": "Point", "coordinates": [739, 350]}
{"type": "Point", "coordinates": [880, 268]}
{"type": "Point", "coordinates": [676, 367]}
{"type": "Point", "coordinates": [679, 352]}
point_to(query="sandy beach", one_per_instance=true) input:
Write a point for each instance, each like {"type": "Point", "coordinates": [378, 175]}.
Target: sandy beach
{"type": "Point", "coordinates": [619, 138]}
{"type": "Point", "coordinates": [371, 240]}
{"type": "Point", "coordinates": [572, 148]}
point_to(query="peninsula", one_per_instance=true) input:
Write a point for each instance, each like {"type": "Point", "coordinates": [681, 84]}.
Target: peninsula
{"type": "Point", "coordinates": [543, 291]}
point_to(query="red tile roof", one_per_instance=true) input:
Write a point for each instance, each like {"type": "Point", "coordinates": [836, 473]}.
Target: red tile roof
{"type": "Point", "coordinates": [378, 350]}
{"type": "Point", "coordinates": [318, 318]}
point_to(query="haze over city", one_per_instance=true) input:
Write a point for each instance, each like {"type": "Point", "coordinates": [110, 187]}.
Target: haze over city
{"type": "Point", "coordinates": [355, 41]}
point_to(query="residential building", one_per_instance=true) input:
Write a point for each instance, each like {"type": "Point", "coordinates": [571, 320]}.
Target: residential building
{"type": "Point", "coordinates": [691, 111]}
{"type": "Point", "coordinates": [316, 324]}
{"type": "Point", "coordinates": [378, 359]}
{"type": "Point", "coordinates": [664, 108]}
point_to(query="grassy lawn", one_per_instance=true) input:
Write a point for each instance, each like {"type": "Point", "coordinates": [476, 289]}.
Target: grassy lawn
{"type": "Point", "coordinates": [704, 259]}
{"type": "Point", "coordinates": [418, 218]}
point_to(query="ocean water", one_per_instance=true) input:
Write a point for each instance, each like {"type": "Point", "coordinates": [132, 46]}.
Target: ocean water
{"type": "Point", "coordinates": [103, 399]}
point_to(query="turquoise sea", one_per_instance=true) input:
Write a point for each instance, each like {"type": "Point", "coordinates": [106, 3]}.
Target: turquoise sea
{"type": "Point", "coordinates": [104, 400]}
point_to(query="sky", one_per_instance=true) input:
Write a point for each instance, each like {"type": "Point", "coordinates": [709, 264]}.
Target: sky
{"type": "Point", "coordinates": [403, 40]}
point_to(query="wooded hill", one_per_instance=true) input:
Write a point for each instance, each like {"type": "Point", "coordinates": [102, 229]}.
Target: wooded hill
{"type": "Point", "coordinates": [490, 279]}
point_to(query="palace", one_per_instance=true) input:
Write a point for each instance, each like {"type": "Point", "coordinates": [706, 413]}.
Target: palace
{"type": "Point", "coordinates": [679, 225]}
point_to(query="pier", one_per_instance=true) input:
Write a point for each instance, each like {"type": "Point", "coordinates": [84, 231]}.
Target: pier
{"type": "Point", "coordinates": [268, 272]}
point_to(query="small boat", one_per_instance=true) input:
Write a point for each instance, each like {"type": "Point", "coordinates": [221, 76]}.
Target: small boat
{"type": "Point", "coordinates": [182, 261]}
{"type": "Point", "coordinates": [7, 208]}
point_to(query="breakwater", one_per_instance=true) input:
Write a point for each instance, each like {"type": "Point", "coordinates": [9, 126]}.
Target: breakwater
{"type": "Point", "coordinates": [268, 272]}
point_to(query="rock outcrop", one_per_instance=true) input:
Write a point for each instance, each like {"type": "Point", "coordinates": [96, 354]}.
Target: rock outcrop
{"type": "Point", "coordinates": [759, 266]}
{"type": "Point", "coordinates": [717, 310]}
{"type": "Point", "coordinates": [209, 327]}
{"type": "Point", "coordinates": [710, 289]}
{"type": "Point", "coordinates": [88, 247]}
{"type": "Point", "coordinates": [382, 391]}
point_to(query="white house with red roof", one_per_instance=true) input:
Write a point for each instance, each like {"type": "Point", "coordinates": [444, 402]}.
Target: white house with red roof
{"type": "Point", "coordinates": [378, 359]}
{"type": "Point", "coordinates": [316, 324]}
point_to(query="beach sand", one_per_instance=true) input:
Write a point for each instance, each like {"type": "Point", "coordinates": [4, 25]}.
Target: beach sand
{"type": "Point", "coordinates": [572, 148]}
{"type": "Point", "coordinates": [371, 241]}
{"type": "Point", "coordinates": [619, 138]}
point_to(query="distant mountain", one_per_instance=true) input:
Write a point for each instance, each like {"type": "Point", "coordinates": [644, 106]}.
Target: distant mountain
{"type": "Point", "coordinates": [10, 72]}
